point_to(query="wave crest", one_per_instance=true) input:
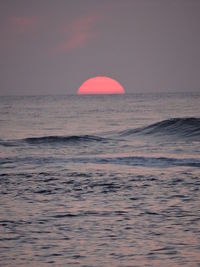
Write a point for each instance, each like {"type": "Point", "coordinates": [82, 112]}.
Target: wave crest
{"type": "Point", "coordinates": [63, 139]}
{"type": "Point", "coordinates": [181, 127]}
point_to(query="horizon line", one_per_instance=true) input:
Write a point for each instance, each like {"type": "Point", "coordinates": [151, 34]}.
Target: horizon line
{"type": "Point", "coordinates": [80, 95]}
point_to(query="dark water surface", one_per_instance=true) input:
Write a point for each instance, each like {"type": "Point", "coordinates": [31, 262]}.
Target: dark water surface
{"type": "Point", "coordinates": [100, 180]}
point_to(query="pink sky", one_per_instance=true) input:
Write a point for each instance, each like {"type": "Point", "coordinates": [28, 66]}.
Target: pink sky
{"type": "Point", "coordinates": [50, 47]}
{"type": "Point", "coordinates": [77, 33]}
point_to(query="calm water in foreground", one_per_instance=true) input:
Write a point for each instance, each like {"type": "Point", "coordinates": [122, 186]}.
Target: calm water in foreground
{"type": "Point", "coordinates": [100, 180]}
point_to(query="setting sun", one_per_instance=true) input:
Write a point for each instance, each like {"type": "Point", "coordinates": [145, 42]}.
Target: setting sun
{"type": "Point", "coordinates": [100, 85]}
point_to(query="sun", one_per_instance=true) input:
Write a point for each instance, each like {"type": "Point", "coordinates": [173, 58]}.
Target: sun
{"type": "Point", "coordinates": [100, 85]}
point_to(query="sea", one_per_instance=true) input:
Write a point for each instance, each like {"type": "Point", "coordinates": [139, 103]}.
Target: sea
{"type": "Point", "coordinates": [100, 180]}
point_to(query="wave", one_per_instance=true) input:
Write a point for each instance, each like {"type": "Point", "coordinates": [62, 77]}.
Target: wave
{"type": "Point", "coordinates": [142, 161]}
{"type": "Point", "coordinates": [133, 161]}
{"type": "Point", "coordinates": [45, 140]}
{"type": "Point", "coordinates": [64, 139]}
{"type": "Point", "coordinates": [188, 128]}
{"type": "Point", "coordinates": [180, 127]}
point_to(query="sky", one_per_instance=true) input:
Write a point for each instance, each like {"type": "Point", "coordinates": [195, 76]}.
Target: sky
{"type": "Point", "coordinates": [53, 46]}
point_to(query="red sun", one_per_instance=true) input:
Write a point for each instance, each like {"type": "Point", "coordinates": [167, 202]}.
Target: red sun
{"type": "Point", "coordinates": [100, 85]}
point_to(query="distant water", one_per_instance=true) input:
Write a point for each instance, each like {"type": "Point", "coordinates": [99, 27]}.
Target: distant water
{"type": "Point", "coordinates": [100, 180]}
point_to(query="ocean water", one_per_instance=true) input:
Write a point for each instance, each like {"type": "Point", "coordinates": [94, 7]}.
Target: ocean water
{"type": "Point", "coordinates": [100, 180]}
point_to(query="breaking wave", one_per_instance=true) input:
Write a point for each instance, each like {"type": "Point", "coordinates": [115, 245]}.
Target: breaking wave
{"type": "Point", "coordinates": [180, 127]}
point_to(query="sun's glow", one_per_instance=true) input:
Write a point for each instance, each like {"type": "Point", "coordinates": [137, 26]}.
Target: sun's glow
{"type": "Point", "coordinates": [100, 85]}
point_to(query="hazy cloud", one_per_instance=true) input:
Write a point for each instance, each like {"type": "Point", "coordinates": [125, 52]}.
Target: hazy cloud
{"type": "Point", "coordinates": [77, 33]}
{"type": "Point", "coordinates": [21, 24]}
